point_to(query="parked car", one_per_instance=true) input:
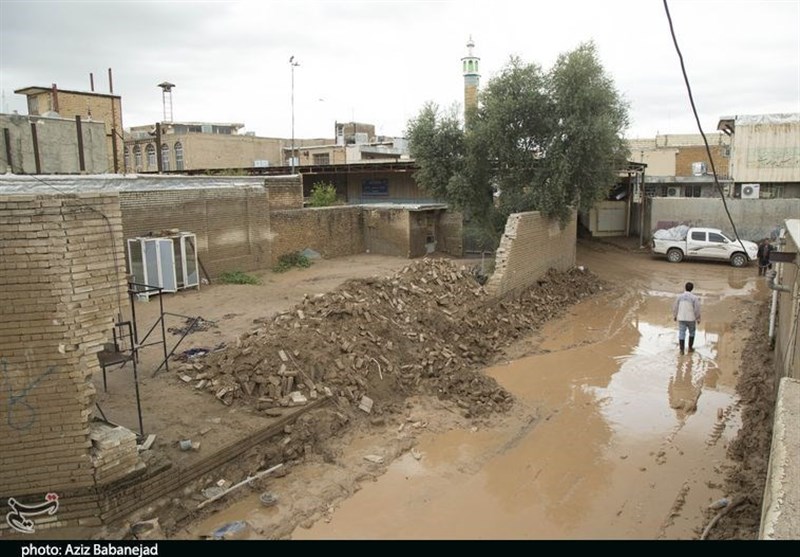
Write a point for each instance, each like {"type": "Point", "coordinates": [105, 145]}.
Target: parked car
{"type": "Point", "coordinates": [682, 242]}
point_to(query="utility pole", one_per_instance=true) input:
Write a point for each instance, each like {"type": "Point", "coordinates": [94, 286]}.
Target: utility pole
{"type": "Point", "coordinates": [293, 63]}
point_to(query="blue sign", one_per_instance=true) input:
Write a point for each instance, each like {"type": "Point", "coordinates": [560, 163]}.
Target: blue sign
{"type": "Point", "coordinates": [375, 188]}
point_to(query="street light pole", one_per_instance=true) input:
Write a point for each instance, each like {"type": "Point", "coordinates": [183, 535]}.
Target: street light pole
{"type": "Point", "coordinates": [293, 64]}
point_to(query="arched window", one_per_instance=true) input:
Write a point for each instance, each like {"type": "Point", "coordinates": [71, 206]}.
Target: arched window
{"type": "Point", "coordinates": [137, 158]}
{"type": "Point", "coordinates": [127, 158]}
{"type": "Point", "coordinates": [476, 66]}
{"type": "Point", "coordinates": [178, 156]}
{"type": "Point", "coordinates": [164, 157]}
{"type": "Point", "coordinates": [471, 65]}
{"type": "Point", "coordinates": [151, 157]}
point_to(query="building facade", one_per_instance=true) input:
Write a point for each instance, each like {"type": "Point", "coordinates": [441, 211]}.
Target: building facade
{"type": "Point", "coordinates": [89, 106]}
{"type": "Point", "coordinates": [678, 165]}
{"type": "Point", "coordinates": [765, 154]}
{"type": "Point", "coordinates": [184, 146]}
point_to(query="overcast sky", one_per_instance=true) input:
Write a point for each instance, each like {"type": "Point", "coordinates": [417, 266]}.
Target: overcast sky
{"type": "Point", "coordinates": [379, 61]}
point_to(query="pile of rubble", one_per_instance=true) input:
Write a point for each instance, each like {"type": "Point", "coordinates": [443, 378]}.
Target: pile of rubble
{"type": "Point", "coordinates": [429, 328]}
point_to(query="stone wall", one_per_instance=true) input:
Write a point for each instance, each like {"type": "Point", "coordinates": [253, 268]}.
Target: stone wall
{"type": "Point", "coordinates": [531, 245]}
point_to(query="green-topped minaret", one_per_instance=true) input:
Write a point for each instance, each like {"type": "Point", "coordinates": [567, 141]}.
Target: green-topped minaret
{"type": "Point", "coordinates": [469, 67]}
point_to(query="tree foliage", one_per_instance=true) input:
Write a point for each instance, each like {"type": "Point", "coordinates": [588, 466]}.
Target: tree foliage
{"type": "Point", "coordinates": [543, 141]}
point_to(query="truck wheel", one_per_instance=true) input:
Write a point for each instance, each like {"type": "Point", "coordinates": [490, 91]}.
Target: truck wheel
{"type": "Point", "coordinates": [674, 255]}
{"type": "Point", "coordinates": [738, 260]}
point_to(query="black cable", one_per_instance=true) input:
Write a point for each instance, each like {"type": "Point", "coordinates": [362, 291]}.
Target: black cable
{"type": "Point", "coordinates": [697, 119]}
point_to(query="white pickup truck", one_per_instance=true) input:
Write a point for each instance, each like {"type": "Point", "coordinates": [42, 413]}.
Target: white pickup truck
{"type": "Point", "coordinates": [682, 242]}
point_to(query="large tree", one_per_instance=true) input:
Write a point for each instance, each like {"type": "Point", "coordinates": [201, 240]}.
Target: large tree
{"type": "Point", "coordinates": [545, 141]}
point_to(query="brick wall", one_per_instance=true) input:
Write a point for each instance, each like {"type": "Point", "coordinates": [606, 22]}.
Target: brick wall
{"type": "Point", "coordinates": [232, 224]}
{"type": "Point", "coordinates": [61, 286]}
{"type": "Point", "coordinates": [284, 192]}
{"type": "Point", "coordinates": [388, 232]}
{"type": "Point", "coordinates": [450, 233]}
{"type": "Point", "coordinates": [687, 155]}
{"type": "Point", "coordinates": [331, 231]}
{"type": "Point", "coordinates": [531, 245]}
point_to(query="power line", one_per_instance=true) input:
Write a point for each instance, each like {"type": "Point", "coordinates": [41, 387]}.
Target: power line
{"type": "Point", "coordinates": [700, 127]}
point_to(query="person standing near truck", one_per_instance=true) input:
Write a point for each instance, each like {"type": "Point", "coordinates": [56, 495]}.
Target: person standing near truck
{"type": "Point", "coordinates": [763, 257]}
{"type": "Point", "coordinates": [686, 311]}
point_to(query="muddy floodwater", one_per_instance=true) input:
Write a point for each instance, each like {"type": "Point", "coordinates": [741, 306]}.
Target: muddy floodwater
{"type": "Point", "coordinates": [619, 436]}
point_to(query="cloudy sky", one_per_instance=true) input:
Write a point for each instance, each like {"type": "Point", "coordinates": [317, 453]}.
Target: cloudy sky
{"type": "Point", "coordinates": [379, 61]}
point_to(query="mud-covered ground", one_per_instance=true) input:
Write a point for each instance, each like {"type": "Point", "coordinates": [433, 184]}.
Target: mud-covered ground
{"type": "Point", "coordinates": [399, 355]}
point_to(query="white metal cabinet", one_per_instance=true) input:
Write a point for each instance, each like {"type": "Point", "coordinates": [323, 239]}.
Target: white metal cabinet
{"type": "Point", "coordinates": [168, 262]}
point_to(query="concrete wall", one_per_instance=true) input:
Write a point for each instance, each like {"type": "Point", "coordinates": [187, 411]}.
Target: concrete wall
{"type": "Point", "coordinates": [99, 107]}
{"type": "Point", "coordinates": [754, 218]}
{"type": "Point", "coordinates": [330, 231]}
{"type": "Point", "coordinates": [780, 510]}
{"type": "Point", "coordinates": [61, 286]}
{"type": "Point", "coordinates": [787, 332]}
{"type": "Point", "coordinates": [531, 245]}
{"type": "Point", "coordinates": [57, 144]}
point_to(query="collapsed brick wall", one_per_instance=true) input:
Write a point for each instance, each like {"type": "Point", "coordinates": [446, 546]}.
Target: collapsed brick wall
{"type": "Point", "coordinates": [531, 245]}
{"type": "Point", "coordinates": [62, 283]}
{"type": "Point", "coordinates": [232, 224]}
{"type": "Point", "coordinates": [330, 231]}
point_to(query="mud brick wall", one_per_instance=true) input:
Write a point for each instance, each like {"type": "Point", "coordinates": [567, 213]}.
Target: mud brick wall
{"type": "Point", "coordinates": [388, 232]}
{"type": "Point", "coordinates": [62, 281]}
{"type": "Point", "coordinates": [450, 233]}
{"type": "Point", "coordinates": [284, 192]}
{"type": "Point", "coordinates": [231, 223]}
{"type": "Point", "coordinates": [330, 231]}
{"type": "Point", "coordinates": [531, 245]}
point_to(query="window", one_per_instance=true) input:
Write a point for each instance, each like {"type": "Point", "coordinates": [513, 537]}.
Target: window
{"type": "Point", "coordinates": [718, 238]}
{"type": "Point", "coordinates": [322, 158]}
{"type": "Point", "coordinates": [164, 156]}
{"type": "Point", "coordinates": [127, 158]}
{"type": "Point", "coordinates": [178, 156]}
{"type": "Point", "coordinates": [137, 157]}
{"type": "Point", "coordinates": [692, 191]}
{"type": "Point", "coordinates": [151, 156]}
{"type": "Point", "coordinates": [698, 236]}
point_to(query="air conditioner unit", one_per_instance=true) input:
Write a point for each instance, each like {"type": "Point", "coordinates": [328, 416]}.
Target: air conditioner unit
{"type": "Point", "coordinates": [699, 168]}
{"type": "Point", "coordinates": [751, 191]}
{"type": "Point", "coordinates": [674, 191]}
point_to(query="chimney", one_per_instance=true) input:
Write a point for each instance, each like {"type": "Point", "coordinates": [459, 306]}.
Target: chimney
{"type": "Point", "coordinates": [55, 98]}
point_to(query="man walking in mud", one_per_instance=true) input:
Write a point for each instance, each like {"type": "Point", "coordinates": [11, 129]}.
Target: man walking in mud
{"type": "Point", "coordinates": [686, 311]}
